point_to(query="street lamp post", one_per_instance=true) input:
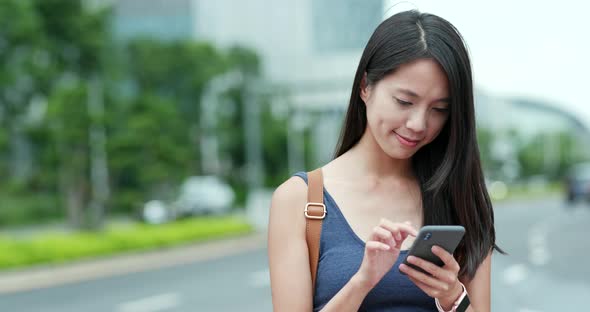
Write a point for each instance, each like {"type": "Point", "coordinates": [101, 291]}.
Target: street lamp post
{"type": "Point", "coordinates": [99, 173]}
{"type": "Point", "coordinates": [209, 143]}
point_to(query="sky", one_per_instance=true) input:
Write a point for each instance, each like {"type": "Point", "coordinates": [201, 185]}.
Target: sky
{"type": "Point", "coordinates": [537, 49]}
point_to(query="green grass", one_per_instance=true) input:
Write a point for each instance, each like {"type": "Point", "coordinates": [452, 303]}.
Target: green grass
{"type": "Point", "coordinates": [59, 247]}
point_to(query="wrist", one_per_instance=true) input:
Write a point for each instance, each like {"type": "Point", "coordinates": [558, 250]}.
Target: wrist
{"type": "Point", "coordinates": [361, 283]}
{"type": "Point", "coordinates": [448, 302]}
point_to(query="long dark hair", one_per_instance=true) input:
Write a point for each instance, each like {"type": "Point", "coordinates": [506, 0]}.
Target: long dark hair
{"type": "Point", "coordinates": [448, 169]}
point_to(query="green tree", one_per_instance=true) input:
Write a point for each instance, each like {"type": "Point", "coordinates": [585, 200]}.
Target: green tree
{"type": "Point", "coordinates": [54, 50]}
{"type": "Point", "coordinates": [551, 154]}
{"type": "Point", "coordinates": [68, 123]}
{"type": "Point", "coordinates": [150, 150]}
{"type": "Point", "coordinates": [179, 72]}
{"type": "Point", "coordinates": [176, 70]}
{"type": "Point", "coordinates": [79, 40]}
{"type": "Point", "coordinates": [22, 58]}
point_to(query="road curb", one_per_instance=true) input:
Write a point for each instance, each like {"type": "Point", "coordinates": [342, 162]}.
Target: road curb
{"type": "Point", "coordinates": [55, 275]}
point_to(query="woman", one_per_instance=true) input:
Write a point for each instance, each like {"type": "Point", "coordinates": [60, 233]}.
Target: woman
{"type": "Point", "coordinates": [407, 157]}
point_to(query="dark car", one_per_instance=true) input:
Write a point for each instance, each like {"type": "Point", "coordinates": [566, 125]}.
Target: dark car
{"type": "Point", "coordinates": [577, 182]}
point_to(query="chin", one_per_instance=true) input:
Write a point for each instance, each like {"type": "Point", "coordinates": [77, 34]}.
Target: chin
{"type": "Point", "coordinates": [397, 153]}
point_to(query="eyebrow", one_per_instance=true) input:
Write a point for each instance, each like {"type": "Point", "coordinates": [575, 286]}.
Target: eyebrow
{"type": "Point", "coordinates": [414, 94]}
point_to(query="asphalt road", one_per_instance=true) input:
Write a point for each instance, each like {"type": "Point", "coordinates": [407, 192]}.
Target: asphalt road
{"type": "Point", "coordinates": [546, 270]}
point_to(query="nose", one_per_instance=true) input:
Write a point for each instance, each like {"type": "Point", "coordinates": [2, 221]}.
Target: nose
{"type": "Point", "coordinates": [417, 121]}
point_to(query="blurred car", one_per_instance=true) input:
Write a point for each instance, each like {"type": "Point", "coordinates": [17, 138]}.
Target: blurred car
{"type": "Point", "coordinates": [577, 182]}
{"type": "Point", "coordinates": [204, 195]}
{"type": "Point", "coordinates": [155, 212]}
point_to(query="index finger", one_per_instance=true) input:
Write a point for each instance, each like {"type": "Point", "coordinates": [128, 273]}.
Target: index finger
{"type": "Point", "coordinates": [402, 227]}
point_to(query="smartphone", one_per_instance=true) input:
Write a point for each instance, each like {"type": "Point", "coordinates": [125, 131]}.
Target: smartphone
{"type": "Point", "coordinates": [446, 236]}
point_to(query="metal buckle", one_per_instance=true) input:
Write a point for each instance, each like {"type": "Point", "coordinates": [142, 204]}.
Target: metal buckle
{"type": "Point", "coordinates": [315, 217]}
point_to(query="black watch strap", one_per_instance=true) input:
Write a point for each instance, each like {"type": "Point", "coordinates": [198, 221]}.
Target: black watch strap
{"type": "Point", "coordinates": [464, 304]}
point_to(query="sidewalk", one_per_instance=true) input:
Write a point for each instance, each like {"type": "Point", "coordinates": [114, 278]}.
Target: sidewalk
{"type": "Point", "coordinates": [54, 275]}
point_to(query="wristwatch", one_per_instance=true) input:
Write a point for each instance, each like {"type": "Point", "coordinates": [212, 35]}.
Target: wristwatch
{"type": "Point", "coordinates": [460, 305]}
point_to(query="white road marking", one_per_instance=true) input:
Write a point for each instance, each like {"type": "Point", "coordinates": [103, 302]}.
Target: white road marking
{"type": "Point", "coordinates": [155, 303]}
{"type": "Point", "coordinates": [537, 244]}
{"type": "Point", "coordinates": [259, 279]}
{"type": "Point", "coordinates": [515, 274]}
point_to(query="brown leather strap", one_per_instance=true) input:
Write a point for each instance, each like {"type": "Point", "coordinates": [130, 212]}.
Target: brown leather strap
{"type": "Point", "coordinates": [315, 212]}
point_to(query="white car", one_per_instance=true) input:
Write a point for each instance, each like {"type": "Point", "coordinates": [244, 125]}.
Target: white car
{"type": "Point", "coordinates": [204, 195]}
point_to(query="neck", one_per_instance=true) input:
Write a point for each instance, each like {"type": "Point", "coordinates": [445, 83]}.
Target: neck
{"type": "Point", "coordinates": [371, 160]}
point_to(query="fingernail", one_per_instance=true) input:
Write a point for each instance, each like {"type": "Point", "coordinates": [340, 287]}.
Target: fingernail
{"type": "Point", "coordinates": [411, 259]}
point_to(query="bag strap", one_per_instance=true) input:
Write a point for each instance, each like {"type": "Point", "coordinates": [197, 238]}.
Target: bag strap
{"type": "Point", "coordinates": [315, 212]}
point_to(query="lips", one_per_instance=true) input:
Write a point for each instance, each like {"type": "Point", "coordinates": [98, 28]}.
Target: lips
{"type": "Point", "coordinates": [406, 141]}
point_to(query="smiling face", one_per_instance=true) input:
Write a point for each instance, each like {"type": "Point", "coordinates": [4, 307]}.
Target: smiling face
{"type": "Point", "coordinates": [408, 108]}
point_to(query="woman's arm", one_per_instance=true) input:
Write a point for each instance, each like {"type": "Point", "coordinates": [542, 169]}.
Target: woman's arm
{"type": "Point", "coordinates": [479, 287]}
{"type": "Point", "coordinates": [350, 297]}
{"type": "Point", "coordinates": [290, 276]}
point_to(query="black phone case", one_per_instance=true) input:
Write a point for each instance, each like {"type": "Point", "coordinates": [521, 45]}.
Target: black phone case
{"type": "Point", "coordinates": [446, 236]}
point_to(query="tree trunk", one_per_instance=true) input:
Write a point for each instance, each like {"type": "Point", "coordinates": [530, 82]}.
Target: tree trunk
{"type": "Point", "coordinates": [21, 162]}
{"type": "Point", "coordinates": [75, 204]}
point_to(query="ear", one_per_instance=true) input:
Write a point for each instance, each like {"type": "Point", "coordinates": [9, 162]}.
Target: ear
{"type": "Point", "coordinates": [365, 89]}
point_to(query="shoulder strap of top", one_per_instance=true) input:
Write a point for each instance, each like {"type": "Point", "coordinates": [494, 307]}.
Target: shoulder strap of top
{"type": "Point", "coordinates": [315, 212]}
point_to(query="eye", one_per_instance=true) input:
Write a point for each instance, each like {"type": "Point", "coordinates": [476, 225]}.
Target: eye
{"type": "Point", "coordinates": [441, 110]}
{"type": "Point", "coordinates": [402, 102]}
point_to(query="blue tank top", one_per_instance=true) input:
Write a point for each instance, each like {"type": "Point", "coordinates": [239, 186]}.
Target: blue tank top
{"type": "Point", "coordinates": [341, 254]}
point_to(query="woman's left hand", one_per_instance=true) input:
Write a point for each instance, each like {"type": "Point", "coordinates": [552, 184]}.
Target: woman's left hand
{"type": "Point", "coordinates": [443, 284]}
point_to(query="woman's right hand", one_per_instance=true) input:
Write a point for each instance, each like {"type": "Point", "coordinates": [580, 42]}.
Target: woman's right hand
{"type": "Point", "coordinates": [382, 249]}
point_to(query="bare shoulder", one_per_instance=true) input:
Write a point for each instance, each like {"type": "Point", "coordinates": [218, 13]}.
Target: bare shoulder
{"type": "Point", "coordinates": [294, 189]}
{"type": "Point", "coordinates": [288, 202]}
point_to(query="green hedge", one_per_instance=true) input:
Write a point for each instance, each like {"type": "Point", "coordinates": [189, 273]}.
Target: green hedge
{"type": "Point", "coordinates": [59, 247]}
